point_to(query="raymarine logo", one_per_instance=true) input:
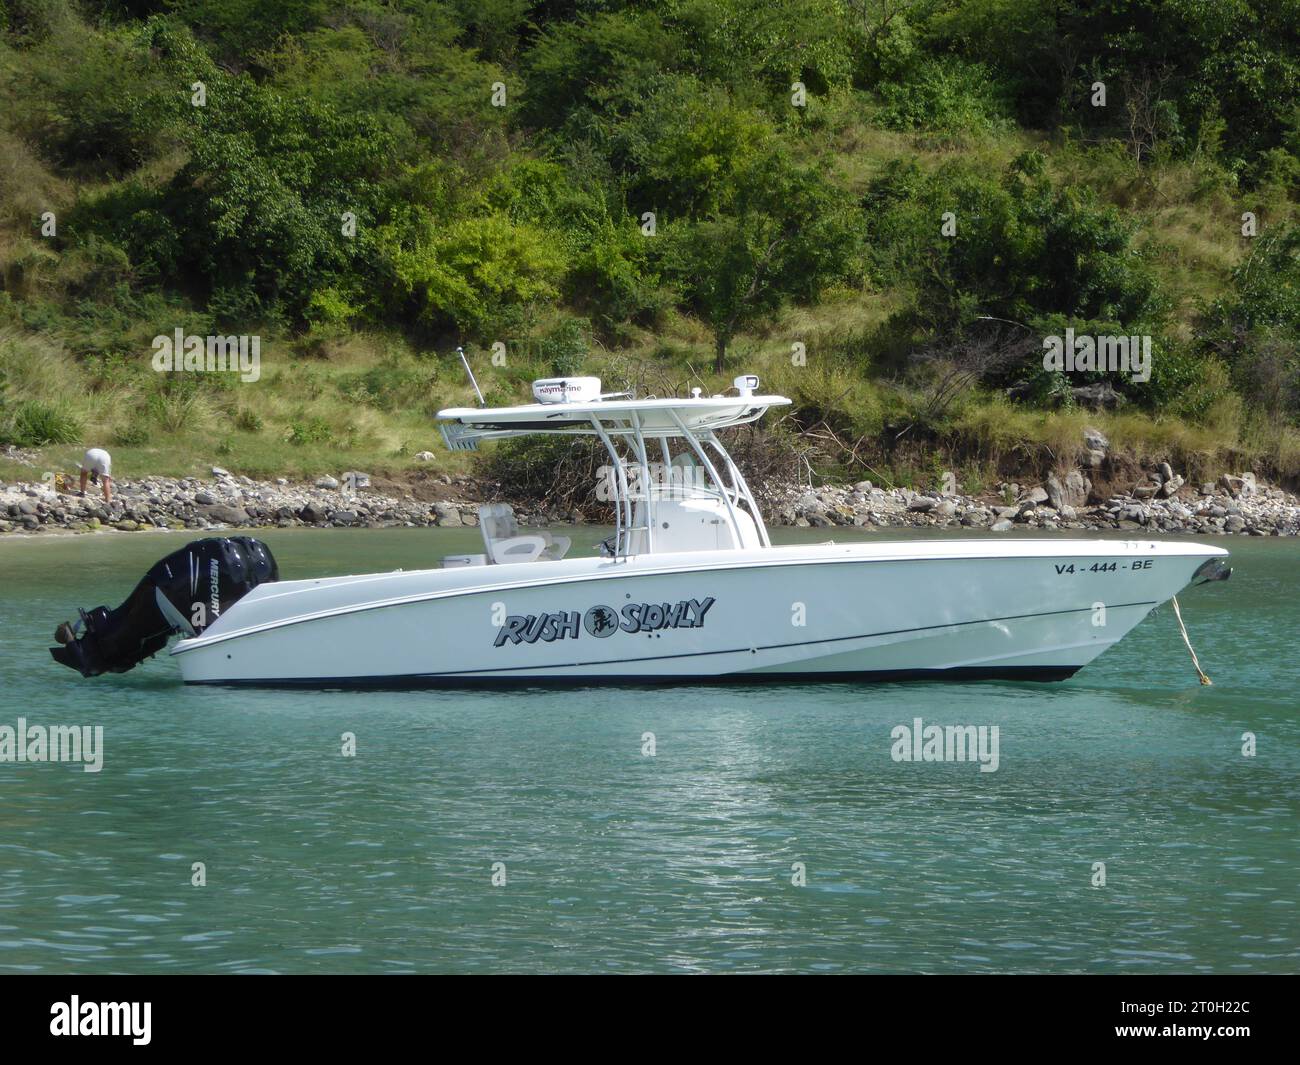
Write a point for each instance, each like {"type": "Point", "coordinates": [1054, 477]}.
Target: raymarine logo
{"type": "Point", "coordinates": [603, 621]}
{"type": "Point", "coordinates": [102, 1018]}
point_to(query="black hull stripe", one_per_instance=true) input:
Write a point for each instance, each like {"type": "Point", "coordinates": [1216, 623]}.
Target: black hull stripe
{"type": "Point", "coordinates": [454, 681]}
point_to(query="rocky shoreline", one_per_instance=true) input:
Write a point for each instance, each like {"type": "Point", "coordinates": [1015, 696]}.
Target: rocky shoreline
{"type": "Point", "coordinates": [1160, 502]}
{"type": "Point", "coordinates": [1236, 505]}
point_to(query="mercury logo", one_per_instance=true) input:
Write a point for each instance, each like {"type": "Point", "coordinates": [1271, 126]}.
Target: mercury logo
{"type": "Point", "coordinates": [102, 1018]}
{"type": "Point", "coordinates": [214, 588]}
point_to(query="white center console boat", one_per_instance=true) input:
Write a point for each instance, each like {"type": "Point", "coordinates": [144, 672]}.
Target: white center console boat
{"type": "Point", "coordinates": [690, 587]}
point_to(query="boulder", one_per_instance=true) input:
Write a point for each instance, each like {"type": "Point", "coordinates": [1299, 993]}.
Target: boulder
{"type": "Point", "coordinates": [447, 515]}
{"type": "Point", "coordinates": [224, 514]}
{"type": "Point", "coordinates": [1095, 440]}
{"type": "Point", "coordinates": [313, 514]}
{"type": "Point", "coordinates": [1101, 396]}
{"type": "Point", "coordinates": [328, 482]}
{"type": "Point", "coordinates": [1068, 491]}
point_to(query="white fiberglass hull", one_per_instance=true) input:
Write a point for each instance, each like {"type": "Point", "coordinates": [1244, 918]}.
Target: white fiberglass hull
{"type": "Point", "coordinates": [1031, 609]}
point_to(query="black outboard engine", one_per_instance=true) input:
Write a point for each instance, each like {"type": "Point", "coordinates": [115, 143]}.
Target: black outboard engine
{"type": "Point", "coordinates": [186, 592]}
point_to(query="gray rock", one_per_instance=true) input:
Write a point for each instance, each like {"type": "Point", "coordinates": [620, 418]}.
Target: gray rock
{"type": "Point", "coordinates": [448, 516]}
{"type": "Point", "coordinates": [225, 514]}
{"type": "Point", "coordinates": [1070, 491]}
{"type": "Point", "coordinates": [1095, 440]}
{"type": "Point", "coordinates": [313, 514]}
{"type": "Point", "coordinates": [205, 499]}
{"type": "Point", "coordinates": [327, 482]}
{"type": "Point", "coordinates": [1101, 396]}
{"type": "Point", "coordinates": [1002, 525]}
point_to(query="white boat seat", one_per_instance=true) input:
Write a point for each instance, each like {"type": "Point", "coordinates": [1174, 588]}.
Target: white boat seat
{"type": "Point", "coordinates": [504, 543]}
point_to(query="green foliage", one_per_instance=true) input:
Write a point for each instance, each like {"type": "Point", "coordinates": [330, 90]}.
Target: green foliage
{"type": "Point", "coordinates": [464, 275]}
{"type": "Point", "coordinates": [1255, 327]}
{"type": "Point", "coordinates": [944, 94]}
{"type": "Point", "coordinates": [615, 277]}
{"type": "Point", "coordinates": [309, 431]}
{"type": "Point", "coordinates": [348, 175]}
{"type": "Point", "coordinates": [565, 348]}
{"type": "Point", "coordinates": [389, 386]}
{"type": "Point", "coordinates": [35, 424]}
{"type": "Point", "coordinates": [791, 234]}
{"type": "Point", "coordinates": [1022, 247]}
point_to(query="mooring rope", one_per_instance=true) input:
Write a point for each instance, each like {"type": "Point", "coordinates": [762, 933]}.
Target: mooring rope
{"type": "Point", "coordinates": [1183, 629]}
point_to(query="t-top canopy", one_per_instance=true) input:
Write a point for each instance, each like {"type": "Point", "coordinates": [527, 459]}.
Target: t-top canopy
{"type": "Point", "coordinates": [463, 427]}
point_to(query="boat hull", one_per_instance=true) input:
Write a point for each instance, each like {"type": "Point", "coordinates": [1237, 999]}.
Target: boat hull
{"type": "Point", "coordinates": [952, 610]}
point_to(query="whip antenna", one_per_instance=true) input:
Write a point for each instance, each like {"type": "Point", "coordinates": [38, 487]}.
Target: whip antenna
{"type": "Point", "coordinates": [465, 363]}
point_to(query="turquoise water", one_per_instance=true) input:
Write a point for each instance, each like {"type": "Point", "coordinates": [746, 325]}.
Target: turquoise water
{"type": "Point", "coordinates": [680, 861]}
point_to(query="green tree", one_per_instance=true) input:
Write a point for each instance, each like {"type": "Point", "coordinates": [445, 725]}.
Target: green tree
{"type": "Point", "coordinates": [786, 235]}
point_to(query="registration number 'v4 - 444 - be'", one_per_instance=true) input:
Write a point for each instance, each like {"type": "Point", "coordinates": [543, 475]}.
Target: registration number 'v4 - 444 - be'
{"type": "Point", "coordinates": [1063, 568]}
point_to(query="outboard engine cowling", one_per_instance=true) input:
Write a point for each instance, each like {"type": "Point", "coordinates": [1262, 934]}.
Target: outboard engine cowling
{"type": "Point", "coordinates": [185, 592]}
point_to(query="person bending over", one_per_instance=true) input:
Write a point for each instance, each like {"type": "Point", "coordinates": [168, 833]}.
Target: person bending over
{"type": "Point", "coordinates": [95, 465]}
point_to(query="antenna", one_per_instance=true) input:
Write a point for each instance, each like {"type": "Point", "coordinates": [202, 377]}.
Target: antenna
{"type": "Point", "coordinates": [465, 363]}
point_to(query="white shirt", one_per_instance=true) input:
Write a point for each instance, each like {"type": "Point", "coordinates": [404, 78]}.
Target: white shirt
{"type": "Point", "coordinates": [97, 460]}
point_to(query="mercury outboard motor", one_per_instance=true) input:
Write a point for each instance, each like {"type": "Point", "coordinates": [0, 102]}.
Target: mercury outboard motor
{"type": "Point", "coordinates": [186, 592]}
